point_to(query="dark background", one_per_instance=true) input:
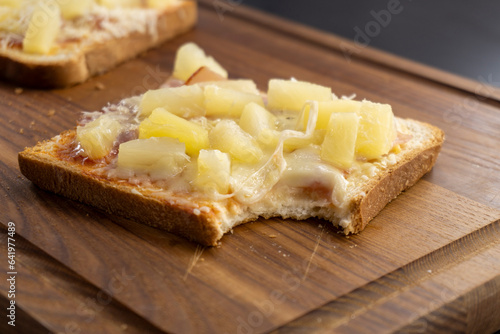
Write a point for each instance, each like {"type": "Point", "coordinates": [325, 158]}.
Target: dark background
{"type": "Point", "coordinates": [460, 36]}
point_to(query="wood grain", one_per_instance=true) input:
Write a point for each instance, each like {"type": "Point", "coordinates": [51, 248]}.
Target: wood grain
{"type": "Point", "coordinates": [269, 275]}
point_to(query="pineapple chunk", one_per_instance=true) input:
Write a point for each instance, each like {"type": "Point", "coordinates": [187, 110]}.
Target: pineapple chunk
{"type": "Point", "coordinates": [97, 137]}
{"type": "Point", "coordinates": [256, 118]}
{"type": "Point", "coordinates": [43, 29]}
{"type": "Point", "coordinates": [228, 137]}
{"type": "Point", "coordinates": [120, 3]}
{"type": "Point", "coordinates": [184, 101]}
{"type": "Point", "coordinates": [377, 131]}
{"type": "Point", "coordinates": [224, 102]}
{"type": "Point", "coordinates": [291, 95]}
{"type": "Point", "coordinates": [162, 123]}
{"type": "Point", "coordinates": [241, 85]}
{"type": "Point", "coordinates": [159, 157]}
{"type": "Point", "coordinates": [338, 147]}
{"type": "Point", "coordinates": [214, 171]}
{"type": "Point", "coordinates": [258, 122]}
{"type": "Point", "coordinates": [5, 13]}
{"type": "Point", "coordinates": [11, 3]}
{"type": "Point", "coordinates": [74, 8]}
{"type": "Point", "coordinates": [190, 57]}
{"type": "Point", "coordinates": [161, 4]}
{"type": "Point", "coordinates": [325, 110]}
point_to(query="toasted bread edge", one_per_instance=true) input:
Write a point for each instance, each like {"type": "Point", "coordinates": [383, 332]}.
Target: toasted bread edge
{"type": "Point", "coordinates": [98, 58]}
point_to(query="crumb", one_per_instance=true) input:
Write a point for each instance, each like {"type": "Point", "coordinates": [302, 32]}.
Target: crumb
{"type": "Point", "coordinates": [429, 271]}
{"type": "Point", "coordinates": [32, 124]}
{"type": "Point", "coordinates": [69, 98]}
{"type": "Point", "coordinates": [124, 326]}
{"type": "Point", "coordinates": [272, 235]}
{"type": "Point", "coordinates": [100, 86]}
{"type": "Point", "coordinates": [21, 130]}
{"type": "Point", "coordinates": [202, 259]}
{"type": "Point", "coordinates": [18, 91]}
{"type": "Point", "coordinates": [51, 112]}
{"type": "Point", "coordinates": [9, 104]}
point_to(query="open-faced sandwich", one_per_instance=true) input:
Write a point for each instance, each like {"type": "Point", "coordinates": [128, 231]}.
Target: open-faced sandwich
{"type": "Point", "coordinates": [205, 153]}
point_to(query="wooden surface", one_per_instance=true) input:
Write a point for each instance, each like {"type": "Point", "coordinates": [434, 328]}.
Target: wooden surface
{"type": "Point", "coordinates": [429, 262]}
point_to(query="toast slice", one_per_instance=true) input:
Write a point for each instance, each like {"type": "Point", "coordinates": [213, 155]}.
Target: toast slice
{"type": "Point", "coordinates": [88, 44]}
{"type": "Point", "coordinates": [289, 179]}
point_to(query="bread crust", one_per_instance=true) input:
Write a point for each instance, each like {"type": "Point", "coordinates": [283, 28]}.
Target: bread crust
{"type": "Point", "coordinates": [72, 180]}
{"type": "Point", "coordinates": [387, 186]}
{"type": "Point", "coordinates": [182, 216]}
{"type": "Point", "coordinates": [97, 58]}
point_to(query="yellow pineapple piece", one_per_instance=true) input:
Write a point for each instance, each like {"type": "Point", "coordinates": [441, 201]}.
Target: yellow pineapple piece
{"type": "Point", "coordinates": [161, 4]}
{"type": "Point", "coordinates": [214, 171]}
{"type": "Point", "coordinates": [159, 157]}
{"type": "Point", "coordinates": [228, 137]}
{"type": "Point", "coordinates": [291, 95]}
{"type": "Point", "coordinates": [162, 123]}
{"type": "Point", "coordinates": [120, 3]}
{"type": "Point", "coordinates": [257, 121]}
{"type": "Point", "coordinates": [224, 102]}
{"type": "Point", "coordinates": [377, 131]}
{"type": "Point", "coordinates": [184, 101]}
{"type": "Point", "coordinates": [190, 57]}
{"type": "Point", "coordinates": [6, 13]}
{"type": "Point", "coordinates": [338, 147]}
{"type": "Point", "coordinates": [43, 29]}
{"type": "Point", "coordinates": [74, 8]}
{"type": "Point", "coordinates": [325, 110]}
{"type": "Point", "coordinates": [97, 137]}
{"type": "Point", "coordinates": [241, 85]}
{"type": "Point", "coordinates": [11, 3]}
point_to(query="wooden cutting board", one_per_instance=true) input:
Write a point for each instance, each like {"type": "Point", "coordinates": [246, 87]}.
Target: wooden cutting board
{"type": "Point", "coordinates": [429, 262]}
